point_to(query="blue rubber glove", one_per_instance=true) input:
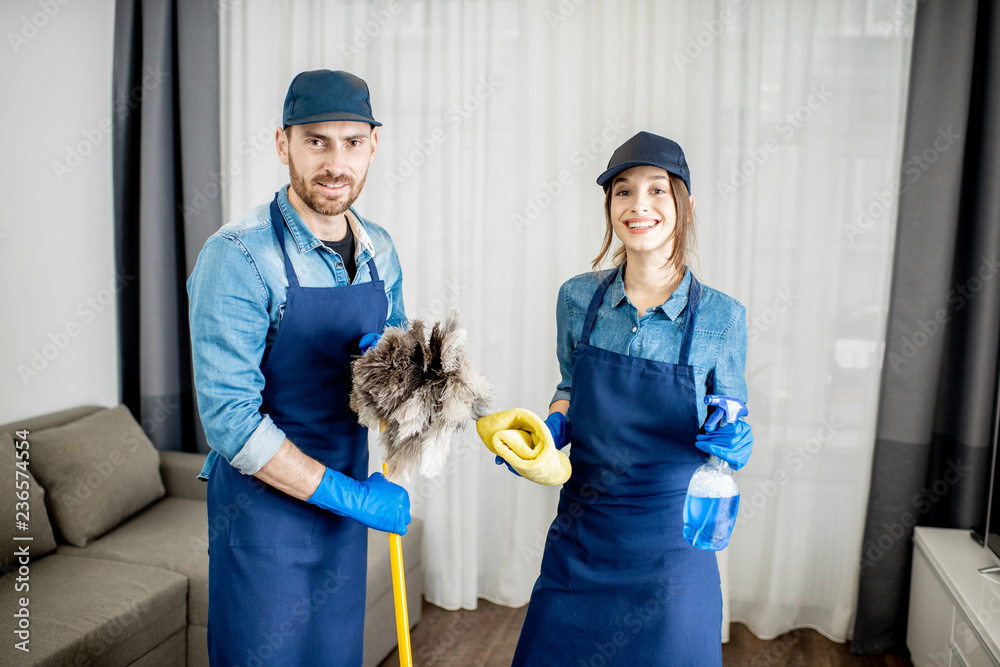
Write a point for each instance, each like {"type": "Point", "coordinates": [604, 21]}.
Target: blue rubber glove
{"type": "Point", "coordinates": [368, 341]}
{"type": "Point", "coordinates": [376, 502]}
{"type": "Point", "coordinates": [559, 427]}
{"type": "Point", "coordinates": [730, 442]}
{"type": "Point", "coordinates": [500, 461]}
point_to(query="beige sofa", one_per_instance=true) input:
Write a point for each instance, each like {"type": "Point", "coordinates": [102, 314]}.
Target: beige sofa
{"type": "Point", "coordinates": [109, 563]}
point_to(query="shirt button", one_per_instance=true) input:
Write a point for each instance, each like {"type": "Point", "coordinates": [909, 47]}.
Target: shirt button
{"type": "Point", "coordinates": [340, 264]}
{"type": "Point", "coordinates": [634, 329]}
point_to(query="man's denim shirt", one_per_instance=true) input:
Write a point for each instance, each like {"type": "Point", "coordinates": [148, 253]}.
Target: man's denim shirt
{"type": "Point", "coordinates": [718, 349]}
{"type": "Point", "coordinates": [238, 291]}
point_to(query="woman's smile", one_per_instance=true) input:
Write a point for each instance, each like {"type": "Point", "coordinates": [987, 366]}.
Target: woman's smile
{"type": "Point", "coordinates": [641, 225]}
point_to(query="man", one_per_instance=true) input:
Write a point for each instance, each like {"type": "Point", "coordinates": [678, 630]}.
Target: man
{"type": "Point", "coordinates": [280, 300]}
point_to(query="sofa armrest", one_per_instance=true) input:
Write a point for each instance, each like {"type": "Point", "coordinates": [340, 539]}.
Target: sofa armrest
{"type": "Point", "coordinates": [179, 471]}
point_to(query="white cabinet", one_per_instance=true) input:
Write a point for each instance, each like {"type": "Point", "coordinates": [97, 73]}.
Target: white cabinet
{"type": "Point", "coordinates": [954, 615]}
{"type": "Point", "coordinates": [931, 616]}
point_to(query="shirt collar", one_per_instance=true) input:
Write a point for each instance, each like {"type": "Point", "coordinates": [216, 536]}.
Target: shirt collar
{"type": "Point", "coordinates": [672, 307]}
{"type": "Point", "coordinates": [304, 237]}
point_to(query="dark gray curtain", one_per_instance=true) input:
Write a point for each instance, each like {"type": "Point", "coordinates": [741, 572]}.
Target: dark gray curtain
{"type": "Point", "coordinates": [167, 199]}
{"type": "Point", "coordinates": [938, 397]}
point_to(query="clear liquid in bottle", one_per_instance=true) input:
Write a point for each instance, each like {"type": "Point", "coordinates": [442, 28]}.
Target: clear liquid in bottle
{"type": "Point", "coordinates": [710, 507]}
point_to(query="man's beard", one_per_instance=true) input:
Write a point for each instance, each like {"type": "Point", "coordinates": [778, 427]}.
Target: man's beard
{"type": "Point", "coordinates": [319, 202]}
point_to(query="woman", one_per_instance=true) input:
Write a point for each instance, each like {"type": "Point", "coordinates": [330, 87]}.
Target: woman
{"type": "Point", "coordinates": [640, 347]}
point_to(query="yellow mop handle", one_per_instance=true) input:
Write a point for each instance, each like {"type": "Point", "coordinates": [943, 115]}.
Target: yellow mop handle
{"type": "Point", "coordinates": [399, 593]}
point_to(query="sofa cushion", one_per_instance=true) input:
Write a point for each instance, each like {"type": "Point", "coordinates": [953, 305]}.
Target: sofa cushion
{"type": "Point", "coordinates": [51, 419]}
{"type": "Point", "coordinates": [92, 612]}
{"type": "Point", "coordinates": [97, 472]}
{"type": "Point", "coordinates": [180, 471]}
{"type": "Point", "coordinates": [197, 646]}
{"type": "Point", "coordinates": [170, 653]}
{"type": "Point", "coordinates": [173, 535]}
{"type": "Point", "coordinates": [39, 530]}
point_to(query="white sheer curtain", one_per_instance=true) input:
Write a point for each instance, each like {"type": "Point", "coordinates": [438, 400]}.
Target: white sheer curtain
{"type": "Point", "coordinates": [498, 116]}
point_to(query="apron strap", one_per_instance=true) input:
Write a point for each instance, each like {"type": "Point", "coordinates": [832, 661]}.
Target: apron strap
{"type": "Point", "coordinates": [694, 296]}
{"type": "Point", "coordinates": [278, 222]}
{"type": "Point", "coordinates": [595, 305]}
{"type": "Point", "coordinates": [279, 230]}
{"type": "Point", "coordinates": [371, 268]}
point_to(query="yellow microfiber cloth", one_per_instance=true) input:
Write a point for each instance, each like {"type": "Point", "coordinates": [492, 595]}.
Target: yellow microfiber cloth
{"type": "Point", "coordinates": [523, 440]}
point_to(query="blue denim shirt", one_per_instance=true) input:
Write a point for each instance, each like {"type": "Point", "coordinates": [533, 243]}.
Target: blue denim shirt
{"type": "Point", "coordinates": [718, 349]}
{"type": "Point", "coordinates": [237, 292]}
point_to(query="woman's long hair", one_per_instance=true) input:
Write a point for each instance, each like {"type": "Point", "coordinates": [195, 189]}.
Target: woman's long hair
{"type": "Point", "coordinates": [684, 251]}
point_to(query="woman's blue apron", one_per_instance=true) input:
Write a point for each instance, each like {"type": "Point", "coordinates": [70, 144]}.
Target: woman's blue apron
{"type": "Point", "coordinates": [287, 580]}
{"type": "Point", "coordinates": [619, 585]}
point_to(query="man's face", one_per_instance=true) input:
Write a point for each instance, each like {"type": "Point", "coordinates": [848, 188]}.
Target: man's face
{"type": "Point", "coordinates": [328, 162]}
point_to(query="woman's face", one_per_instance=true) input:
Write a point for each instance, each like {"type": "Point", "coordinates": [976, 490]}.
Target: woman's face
{"type": "Point", "coordinates": [643, 212]}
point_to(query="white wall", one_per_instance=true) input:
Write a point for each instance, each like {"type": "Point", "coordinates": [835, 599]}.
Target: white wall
{"type": "Point", "coordinates": [58, 341]}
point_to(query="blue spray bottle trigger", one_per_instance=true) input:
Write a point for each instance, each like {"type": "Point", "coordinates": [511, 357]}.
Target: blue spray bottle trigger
{"type": "Point", "coordinates": [732, 408]}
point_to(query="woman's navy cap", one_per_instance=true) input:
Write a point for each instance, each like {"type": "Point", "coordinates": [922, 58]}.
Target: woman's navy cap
{"type": "Point", "coordinates": [321, 95]}
{"type": "Point", "coordinates": [647, 149]}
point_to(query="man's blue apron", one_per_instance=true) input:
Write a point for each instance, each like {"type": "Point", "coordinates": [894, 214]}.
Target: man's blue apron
{"type": "Point", "coordinates": [619, 585]}
{"type": "Point", "coordinates": [287, 580]}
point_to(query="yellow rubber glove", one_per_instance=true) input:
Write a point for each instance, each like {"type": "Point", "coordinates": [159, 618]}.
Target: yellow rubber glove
{"type": "Point", "coordinates": [521, 438]}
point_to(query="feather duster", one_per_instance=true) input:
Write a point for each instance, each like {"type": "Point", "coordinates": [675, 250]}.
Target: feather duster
{"type": "Point", "coordinates": [419, 391]}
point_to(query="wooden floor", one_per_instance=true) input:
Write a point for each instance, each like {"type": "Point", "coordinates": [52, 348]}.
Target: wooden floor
{"type": "Point", "coordinates": [487, 637]}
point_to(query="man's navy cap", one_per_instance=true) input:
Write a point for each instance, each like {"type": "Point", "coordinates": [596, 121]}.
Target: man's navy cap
{"type": "Point", "coordinates": [321, 95]}
{"type": "Point", "coordinates": [647, 149]}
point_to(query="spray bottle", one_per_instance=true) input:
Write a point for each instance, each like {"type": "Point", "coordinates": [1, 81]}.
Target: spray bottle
{"type": "Point", "coordinates": [713, 497]}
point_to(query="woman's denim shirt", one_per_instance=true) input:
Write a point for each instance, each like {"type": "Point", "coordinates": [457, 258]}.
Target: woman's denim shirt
{"type": "Point", "coordinates": [237, 292]}
{"type": "Point", "coordinates": [718, 349]}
